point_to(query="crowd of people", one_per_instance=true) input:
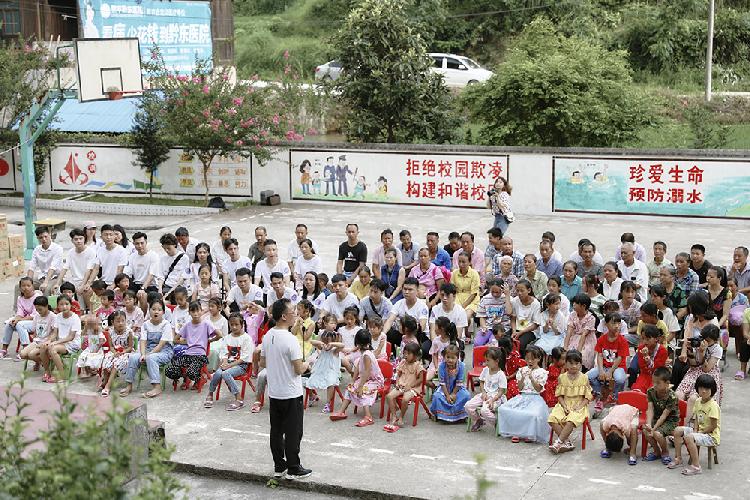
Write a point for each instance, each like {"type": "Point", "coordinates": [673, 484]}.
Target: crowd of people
{"type": "Point", "coordinates": [557, 339]}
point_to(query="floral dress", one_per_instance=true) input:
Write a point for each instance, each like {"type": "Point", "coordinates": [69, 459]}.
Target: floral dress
{"type": "Point", "coordinates": [371, 385]}
{"type": "Point", "coordinates": [577, 327]}
{"type": "Point", "coordinates": [119, 344]}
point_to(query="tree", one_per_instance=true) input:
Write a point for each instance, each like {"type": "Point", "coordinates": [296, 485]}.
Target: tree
{"type": "Point", "coordinates": [386, 89]}
{"type": "Point", "coordinates": [147, 137]}
{"type": "Point", "coordinates": [208, 115]}
{"type": "Point", "coordinates": [559, 91]}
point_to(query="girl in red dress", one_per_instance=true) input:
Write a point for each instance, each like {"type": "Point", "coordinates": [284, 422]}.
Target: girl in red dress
{"type": "Point", "coordinates": [555, 369]}
{"type": "Point", "coordinates": [513, 362]}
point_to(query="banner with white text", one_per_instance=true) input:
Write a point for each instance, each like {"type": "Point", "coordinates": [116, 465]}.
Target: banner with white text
{"type": "Point", "coordinates": [652, 186]}
{"type": "Point", "coordinates": [448, 179]}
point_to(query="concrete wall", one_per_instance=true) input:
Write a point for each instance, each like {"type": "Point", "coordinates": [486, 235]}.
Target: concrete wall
{"type": "Point", "coordinates": [530, 169]}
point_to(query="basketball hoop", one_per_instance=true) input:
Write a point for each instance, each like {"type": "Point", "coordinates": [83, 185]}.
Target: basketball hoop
{"type": "Point", "coordinates": [108, 68]}
{"type": "Point", "coordinates": [115, 95]}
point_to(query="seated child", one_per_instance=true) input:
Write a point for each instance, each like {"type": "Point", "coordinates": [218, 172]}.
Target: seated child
{"type": "Point", "coordinates": [620, 424]}
{"type": "Point", "coordinates": [513, 362]}
{"type": "Point", "coordinates": [66, 341]}
{"type": "Point", "coordinates": [482, 408]}
{"type": "Point", "coordinates": [651, 355]}
{"type": "Point", "coordinates": [92, 353]}
{"type": "Point", "coordinates": [43, 327]}
{"type": "Point", "coordinates": [379, 338]}
{"type": "Point", "coordinates": [611, 356]}
{"type": "Point", "coordinates": [236, 352]}
{"type": "Point", "coordinates": [662, 416]}
{"type": "Point", "coordinates": [122, 284]}
{"type": "Point", "coordinates": [525, 416]}
{"type": "Point", "coordinates": [555, 369]}
{"type": "Point", "coordinates": [107, 307]}
{"type": "Point", "coordinates": [445, 334]}
{"type": "Point", "coordinates": [703, 360]}
{"type": "Point", "coordinates": [649, 316]}
{"type": "Point", "coordinates": [326, 371]}
{"type": "Point", "coordinates": [491, 313]}
{"type": "Point", "coordinates": [449, 399]}
{"type": "Point", "coordinates": [122, 340]}
{"type": "Point", "coordinates": [552, 324]}
{"type": "Point", "coordinates": [348, 332]}
{"type": "Point", "coordinates": [366, 382]}
{"type": "Point", "coordinates": [69, 290]}
{"type": "Point", "coordinates": [610, 306]}
{"type": "Point", "coordinates": [22, 321]}
{"type": "Point", "coordinates": [134, 317]}
{"type": "Point", "coordinates": [196, 335]}
{"type": "Point", "coordinates": [408, 384]}
{"type": "Point", "coordinates": [581, 326]}
{"type": "Point", "coordinates": [706, 428]}
{"type": "Point", "coordinates": [572, 408]}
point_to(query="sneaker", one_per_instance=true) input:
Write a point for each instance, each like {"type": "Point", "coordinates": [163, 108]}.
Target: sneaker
{"type": "Point", "coordinates": [556, 446]}
{"type": "Point", "coordinates": [278, 474]}
{"type": "Point", "coordinates": [3, 354]}
{"type": "Point", "coordinates": [18, 358]}
{"type": "Point", "coordinates": [298, 473]}
{"type": "Point", "coordinates": [599, 406]}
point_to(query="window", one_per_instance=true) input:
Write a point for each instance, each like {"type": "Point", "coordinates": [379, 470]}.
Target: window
{"type": "Point", "coordinates": [454, 64]}
{"type": "Point", "coordinates": [437, 62]}
{"type": "Point", "coordinates": [10, 19]}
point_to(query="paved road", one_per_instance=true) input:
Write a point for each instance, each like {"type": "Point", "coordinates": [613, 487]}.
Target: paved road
{"type": "Point", "coordinates": [434, 460]}
{"type": "Point", "coordinates": [206, 488]}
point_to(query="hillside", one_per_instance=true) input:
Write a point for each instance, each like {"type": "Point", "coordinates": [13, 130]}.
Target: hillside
{"type": "Point", "coordinates": [665, 41]}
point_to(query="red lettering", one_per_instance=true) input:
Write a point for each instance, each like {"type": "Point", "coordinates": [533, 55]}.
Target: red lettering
{"type": "Point", "coordinates": [496, 169]}
{"type": "Point", "coordinates": [676, 195]}
{"type": "Point", "coordinates": [412, 167]}
{"type": "Point", "coordinates": [444, 190]}
{"type": "Point", "coordinates": [636, 173]}
{"type": "Point", "coordinates": [462, 169]}
{"type": "Point", "coordinates": [695, 175]}
{"type": "Point", "coordinates": [477, 170]}
{"type": "Point", "coordinates": [462, 190]}
{"type": "Point", "coordinates": [428, 190]}
{"type": "Point", "coordinates": [478, 192]}
{"type": "Point", "coordinates": [695, 196]}
{"type": "Point", "coordinates": [444, 169]}
{"type": "Point", "coordinates": [656, 195]}
{"type": "Point", "coordinates": [654, 174]}
{"type": "Point", "coordinates": [637, 194]}
{"type": "Point", "coordinates": [412, 189]}
{"type": "Point", "coordinates": [675, 174]}
{"type": "Point", "coordinates": [428, 168]}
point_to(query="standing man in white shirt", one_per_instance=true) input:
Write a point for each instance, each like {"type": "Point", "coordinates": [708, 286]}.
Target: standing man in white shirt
{"type": "Point", "coordinates": [185, 243]}
{"type": "Point", "coordinates": [172, 266]}
{"type": "Point", "coordinates": [143, 265]}
{"type": "Point", "coordinates": [634, 270]}
{"type": "Point", "coordinates": [79, 264]}
{"type": "Point", "coordinates": [281, 356]}
{"type": "Point", "coordinates": [293, 251]}
{"type": "Point", "coordinates": [46, 261]}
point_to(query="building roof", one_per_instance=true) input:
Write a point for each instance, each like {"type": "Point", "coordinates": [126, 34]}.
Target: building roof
{"type": "Point", "coordinates": [96, 116]}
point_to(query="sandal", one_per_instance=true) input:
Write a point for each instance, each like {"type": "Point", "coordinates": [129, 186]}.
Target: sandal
{"type": "Point", "coordinates": [632, 461]}
{"type": "Point", "coordinates": [605, 454]}
{"type": "Point", "coordinates": [666, 459]}
{"type": "Point", "coordinates": [365, 422]}
{"type": "Point", "coordinates": [150, 395]}
{"type": "Point", "coordinates": [105, 393]}
{"type": "Point", "coordinates": [51, 380]}
{"type": "Point", "coordinates": [673, 464]}
{"type": "Point", "coordinates": [515, 439]}
{"type": "Point", "coordinates": [651, 457]}
{"type": "Point", "coordinates": [692, 470]}
{"type": "Point", "coordinates": [739, 375]}
{"type": "Point", "coordinates": [337, 416]}
{"type": "Point", "coordinates": [208, 403]}
{"type": "Point", "coordinates": [391, 428]}
{"type": "Point", "coordinates": [235, 405]}
{"type": "Point", "coordinates": [45, 376]}
{"type": "Point", "coordinates": [256, 407]}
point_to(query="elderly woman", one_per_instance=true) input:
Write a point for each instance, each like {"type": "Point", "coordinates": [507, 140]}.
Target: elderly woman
{"type": "Point", "coordinates": [467, 283]}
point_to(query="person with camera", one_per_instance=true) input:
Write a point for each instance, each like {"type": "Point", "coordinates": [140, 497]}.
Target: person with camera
{"type": "Point", "coordinates": [702, 354]}
{"type": "Point", "coordinates": [699, 315]}
{"type": "Point", "coordinates": [498, 201]}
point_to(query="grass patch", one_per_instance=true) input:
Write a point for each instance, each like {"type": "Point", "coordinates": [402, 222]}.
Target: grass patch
{"type": "Point", "coordinates": [672, 134]}
{"type": "Point", "coordinates": [145, 200]}
{"type": "Point", "coordinates": [45, 196]}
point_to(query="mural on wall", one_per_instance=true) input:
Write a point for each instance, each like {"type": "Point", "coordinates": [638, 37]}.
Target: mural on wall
{"type": "Point", "coordinates": [111, 169]}
{"type": "Point", "coordinates": [7, 175]}
{"type": "Point", "coordinates": [653, 186]}
{"type": "Point", "coordinates": [454, 179]}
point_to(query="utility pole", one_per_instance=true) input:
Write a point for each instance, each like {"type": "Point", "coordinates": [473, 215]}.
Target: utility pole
{"type": "Point", "coordinates": [709, 49]}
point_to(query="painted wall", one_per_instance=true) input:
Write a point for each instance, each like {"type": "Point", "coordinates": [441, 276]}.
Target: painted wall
{"type": "Point", "coordinates": [680, 183]}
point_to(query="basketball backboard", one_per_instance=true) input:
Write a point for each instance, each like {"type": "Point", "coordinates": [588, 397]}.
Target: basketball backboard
{"type": "Point", "coordinates": [108, 68]}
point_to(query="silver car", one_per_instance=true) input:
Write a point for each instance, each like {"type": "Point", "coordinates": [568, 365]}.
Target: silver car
{"type": "Point", "coordinates": [328, 71]}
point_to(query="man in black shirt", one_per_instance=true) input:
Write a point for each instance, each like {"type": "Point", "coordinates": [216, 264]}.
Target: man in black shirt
{"type": "Point", "coordinates": [699, 264]}
{"type": "Point", "coordinates": [454, 243]}
{"type": "Point", "coordinates": [352, 254]}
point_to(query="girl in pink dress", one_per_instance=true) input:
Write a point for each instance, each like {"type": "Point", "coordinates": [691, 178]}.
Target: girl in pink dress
{"type": "Point", "coordinates": [445, 334]}
{"type": "Point", "coordinates": [368, 380]}
{"type": "Point", "coordinates": [581, 324]}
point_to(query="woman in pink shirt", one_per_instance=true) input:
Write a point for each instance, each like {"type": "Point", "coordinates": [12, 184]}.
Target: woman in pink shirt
{"type": "Point", "coordinates": [429, 275]}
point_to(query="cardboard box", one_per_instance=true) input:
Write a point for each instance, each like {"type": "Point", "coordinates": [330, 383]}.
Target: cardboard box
{"type": "Point", "coordinates": [4, 247]}
{"type": "Point", "coordinates": [7, 267]}
{"type": "Point", "coordinates": [16, 245]}
{"type": "Point", "coordinates": [3, 226]}
{"type": "Point", "coordinates": [19, 267]}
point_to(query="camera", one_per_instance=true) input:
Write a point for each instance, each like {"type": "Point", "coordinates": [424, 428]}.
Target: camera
{"type": "Point", "coordinates": [490, 192]}
{"type": "Point", "coordinates": [695, 342]}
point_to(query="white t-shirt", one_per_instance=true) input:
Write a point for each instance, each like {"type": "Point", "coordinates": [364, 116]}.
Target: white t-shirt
{"type": "Point", "coordinates": [42, 327]}
{"type": "Point", "coordinates": [418, 311]}
{"type": "Point", "coordinates": [334, 306]}
{"type": "Point", "coordinates": [140, 266]}
{"type": "Point", "coordinates": [302, 266]}
{"type": "Point", "coordinates": [576, 257]}
{"type": "Point", "coordinates": [294, 253]}
{"type": "Point", "coordinates": [67, 325]}
{"type": "Point", "coordinates": [241, 347]}
{"type": "Point", "coordinates": [230, 267]}
{"type": "Point", "coordinates": [178, 272]}
{"type": "Point", "coordinates": [43, 260]}
{"type": "Point", "coordinates": [180, 317]}
{"type": "Point", "coordinates": [289, 293]}
{"type": "Point", "coordinates": [348, 334]}
{"type": "Point", "coordinates": [378, 256]}
{"type": "Point", "coordinates": [243, 299]}
{"type": "Point", "coordinates": [220, 325]}
{"type": "Point", "coordinates": [264, 272]}
{"type": "Point", "coordinates": [280, 348]}
{"type": "Point", "coordinates": [457, 315]}
{"type": "Point", "coordinates": [670, 320]}
{"type": "Point", "coordinates": [110, 260]}
{"type": "Point", "coordinates": [637, 272]}
{"type": "Point", "coordinates": [493, 383]}
{"type": "Point", "coordinates": [165, 328]}
{"type": "Point", "coordinates": [525, 314]}
{"type": "Point", "coordinates": [78, 264]}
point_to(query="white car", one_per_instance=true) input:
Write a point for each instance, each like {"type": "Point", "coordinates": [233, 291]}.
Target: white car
{"type": "Point", "coordinates": [328, 71]}
{"type": "Point", "coordinates": [458, 71]}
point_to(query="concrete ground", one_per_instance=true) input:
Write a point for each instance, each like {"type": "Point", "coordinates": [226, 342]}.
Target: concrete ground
{"type": "Point", "coordinates": [435, 460]}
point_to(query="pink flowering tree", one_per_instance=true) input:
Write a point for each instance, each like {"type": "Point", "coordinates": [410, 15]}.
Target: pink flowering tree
{"type": "Point", "coordinates": [208, 115]}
